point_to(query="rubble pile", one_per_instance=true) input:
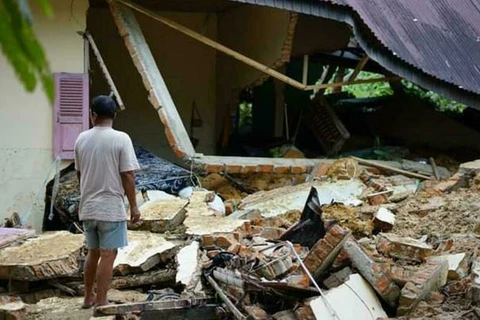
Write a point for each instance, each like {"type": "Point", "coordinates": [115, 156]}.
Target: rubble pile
{"type": "Point", "coordinates": [347, 242]}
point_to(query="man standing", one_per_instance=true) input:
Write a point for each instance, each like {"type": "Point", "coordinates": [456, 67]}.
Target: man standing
{"type": "Point", "coordinates": [105, 162]}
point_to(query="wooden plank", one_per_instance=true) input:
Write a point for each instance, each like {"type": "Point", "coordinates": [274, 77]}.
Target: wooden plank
{"type": "Point", "coordinates": [51, 255]}
{"type": "Point", "coordinates": [391, 169]}
{"type": "Point", "coordinates": [10, 235]}
{"type": "Point", "coordinates": [232, 53]}
{"type": "Point", "coordinates": [104, 69]}
{"type": "Point", "coordinates": [158, 277]}
{"type": "Point", "coordinates": [154, 83]}
{"type": "Point", "coordinates": [305, 69]}
{"type": "Point", "coordinates": [361, 64]}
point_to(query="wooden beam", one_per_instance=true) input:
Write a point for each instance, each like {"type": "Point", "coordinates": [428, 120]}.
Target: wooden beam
{"type": "Point", "coordinates": [234, 54]}
{"type": "Point", "coordinates": [305, 69]}
{"type": "Point", "coordinates": [361, 64]}
{"type": "Point", "coordinates": [362, 81]}
{"type": "Point", "coordinates": [388, 168]}
{"type": "Point", "coordinates": [104, 69]}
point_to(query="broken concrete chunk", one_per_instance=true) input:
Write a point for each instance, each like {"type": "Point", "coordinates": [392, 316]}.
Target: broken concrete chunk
{"type": "Point", "coordinates": [428, 279]}
{"type": "Point", "coordinates": [348, 217]}
{"type": "Point", "coordinates": [188, 265]}
{"type": "Point", "coordinates": [161, 215]}
{"type": "Point", "coordinates": [325, 251]}
{"type": "Point", "coordinates": [51, 255]}
{"type": "Point", "coordinates": [256, 313]}
{"type": "Point", "coordinates": [458, 265]}
{"type": "Point", "coordinates": [144, 251]}
{"type": "Point", "coordinates": [403, 247]}
{"type": "Point", "coordinates": [472, 167]}
{"type": "Point", "coordinates": [383, 220]}
{"type": "Point", "coordinates": [12, 308]}
{"type": "Point", "coordinates": [378, 278]}
{"type": "Point", "coordinates": [338, 278]}
{"type": "Point", "coordinates": [351, 301]}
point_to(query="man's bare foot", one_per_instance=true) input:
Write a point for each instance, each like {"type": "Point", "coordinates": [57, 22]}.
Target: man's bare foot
{"type": "Point", "coordinates": [88, 303]}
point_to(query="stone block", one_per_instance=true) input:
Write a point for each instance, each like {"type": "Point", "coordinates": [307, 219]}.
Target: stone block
{"type": "Point", "coordinates": [403, 247]}
{"type": "Point", "coordinates": [373, 272]}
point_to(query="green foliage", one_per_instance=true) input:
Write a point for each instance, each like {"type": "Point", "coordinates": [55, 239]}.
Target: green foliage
{"type": "Point", "coordinates": [21, 47]}
{"type": "Point", "coordinates": [440, 103]}
{"type": "Point", "coordinates": [369, 90]}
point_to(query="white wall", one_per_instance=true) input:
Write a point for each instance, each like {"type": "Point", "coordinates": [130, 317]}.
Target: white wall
{"type": "Point", "coordinates": [26, 153]}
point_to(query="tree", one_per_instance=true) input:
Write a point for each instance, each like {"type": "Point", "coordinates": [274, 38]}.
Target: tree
{"type": "Point", "coordinates": [21, 47]}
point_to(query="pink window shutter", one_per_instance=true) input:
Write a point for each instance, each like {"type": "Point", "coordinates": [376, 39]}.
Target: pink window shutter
{"type": "Point", "coordinates": [70, 112]}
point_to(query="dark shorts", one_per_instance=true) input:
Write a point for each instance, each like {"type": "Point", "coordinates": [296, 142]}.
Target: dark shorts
{"type": "Point", "coordinates": [105, 234]}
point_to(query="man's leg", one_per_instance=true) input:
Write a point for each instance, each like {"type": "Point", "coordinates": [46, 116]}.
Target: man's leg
{"type": "Point", "coordinates": [113, 235]}
{"type": "Point", "coordinates": [91, 262]}
{"type": "Point", "coordinates": [89, 274]}
{"type": "Point", "coordinates": [104, 274]}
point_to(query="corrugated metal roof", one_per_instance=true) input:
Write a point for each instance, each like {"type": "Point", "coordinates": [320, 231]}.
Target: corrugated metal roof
{"type": "Point", "coordinates": [434, 43]}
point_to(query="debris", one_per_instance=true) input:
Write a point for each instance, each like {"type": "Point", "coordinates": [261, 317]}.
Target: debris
{"type": "Point", "coordinates": [403, 248]}
{"type": "Point", "coordinates": [12, 308]}
{"type": "Point", "coordinates": [350, 301]}
{"type": "Point", "coordinates": [42, 257]}
{"type": "Point", "coordinates": [470, 168]}
{"type": "Point", "coordinates": [458, 265]}
{"type": "Point", "coordinates": [380, 280]}
{"type": "Point", "coordinates": [430, 278]}
{"type": "Point", "coordinates": [144, 251]}
{"type": "Point", "coordinates": [188, 267]}
{"type": "Point", "coordinates": [11, 235]}
{"type": "Point", "coordinates": [348, 217]}
{"type": "Point", "coordinates": [338, 278]}
{"type": "Point", "coordinates": [281, 200]}
{"type": "Point", "coordinates": [383, 220]}
{"type": "Point", "coordinates": [310, 228]}
{"type": "Point", "coordinates": [391, 169]}
{"type": "Point", "coordinates": [325, 251]}
{"type": "Point", "coordinates": [344, 169]}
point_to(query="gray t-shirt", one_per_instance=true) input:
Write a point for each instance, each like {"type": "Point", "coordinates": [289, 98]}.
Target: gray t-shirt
{"type": "Point", "coordinates": [101, 154]}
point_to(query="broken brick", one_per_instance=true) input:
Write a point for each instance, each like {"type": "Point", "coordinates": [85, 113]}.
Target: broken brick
{"type": "Point", "coordinates": [325, 251]}
{"type": "Point", "coordinates": [271, 233]}
{"type": "Point", "coordinates": [212, 253]}
{"type": "Point", "coordinates": [207, 241]}
{"type": "Point", "coordinates": [429, 278]}
{"type": "Point", "coordinates": [234, 248]}
{"type": "Point", "coordinates": [403, 247]}
{"type": "Point", "coordinates": [304, 313]}
{"type": "Point", "coordinates": [378, 199]}
{"type": "Point", "coordinates": [378, 278]}
{"type": "Point", "coordinates": [383, 220]}
{"type": "Point", "coordinates": [224, 242]}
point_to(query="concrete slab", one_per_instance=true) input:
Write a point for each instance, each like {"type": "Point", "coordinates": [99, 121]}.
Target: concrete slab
{"type": "Point", "coordinates": [161, 215]}
{"type": "Point", "coordinates": [278, 201]}
{"type": "Point", "coordinates": [144, 251]}
{"type": "Point", "coordinates": [50, 255]}
{"type": "Point", "coordinates": [188, 265]}
{"type": "Point", "coordinates": [357, 294]}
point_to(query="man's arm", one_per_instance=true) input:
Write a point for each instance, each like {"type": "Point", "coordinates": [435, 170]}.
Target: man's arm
{"type": "Point", "coordinates": [128, 182]}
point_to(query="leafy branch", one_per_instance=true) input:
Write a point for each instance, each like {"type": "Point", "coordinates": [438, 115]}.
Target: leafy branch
{"type": "Point", "coordinates": [22, 48]}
